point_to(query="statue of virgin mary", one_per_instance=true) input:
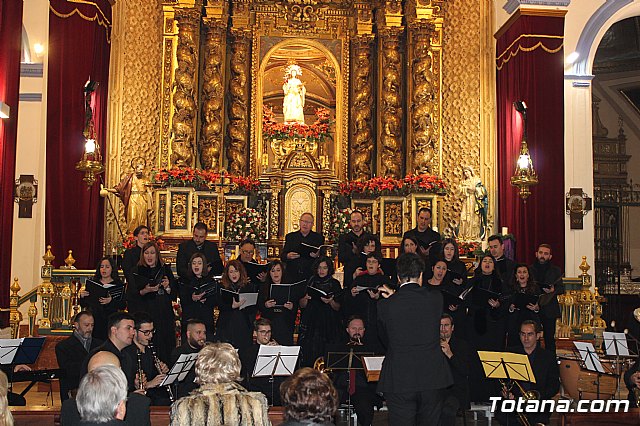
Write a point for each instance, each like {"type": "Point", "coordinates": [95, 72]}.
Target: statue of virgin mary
{"type": "Point", "coordinates": [294, 94]}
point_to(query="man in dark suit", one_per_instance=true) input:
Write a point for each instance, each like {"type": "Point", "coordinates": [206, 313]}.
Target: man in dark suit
{"type": "Point", "coordinates": [545, 370]}
{"type": "Point", "coordinates": [427, 237]}
{"type": "Point", "coordinates": [121, 329]}
{"type": "Point", "coordinates": [196, 339]}
{"type": "Point", "coordinates": [459, 356]}
{"type": "Point", "coordinates": [504, 266]}
{"type": "Point", "coordinates": [72, 351]}
{"type": "Point", "coordinates": [549, 279]}
{"type": "Point", "coordinates": [347, 249]}
{"type": "Point", "coordinates": [199, 244]}
{"type": "Point", "coordinates": [257, 273]}
{"type": "Point", "coordinates": [296, 252]}
{"type": "Point", "coordinates": [415, 372]}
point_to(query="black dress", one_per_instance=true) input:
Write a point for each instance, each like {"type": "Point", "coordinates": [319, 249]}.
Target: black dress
{"type": "Point", "coordinates": [191, 309]}
{"type": "Point", "coordinates": [235, 325]}
{"type": "Point", "coordinates": [487, 325]}
{"type": "Point", "coordinates": [366, 307]}
{"type": "Point", "coordinates": [320, 324]}
{"type": "Point", "coordinates": [101, 312]}
{"type": "Point", "coordinates": [457, 269]}
{"type": "Point", "coordinates": [518, 316]}
{"type": "Point", "coordinates": [158, 306]}
{"type": "Point", "coordinates": [282, 319]}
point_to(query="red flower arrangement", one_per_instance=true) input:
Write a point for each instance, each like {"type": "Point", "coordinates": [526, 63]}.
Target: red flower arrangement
{"type": "Point", "coordinates": [202, 179]}
{"type": "Point", "coordinates": [130, 241]}
{"type": "Point", "coordinates": [317, 131]}
{"type": "Point", "coordinates": [469, 248]}
{"type": "Point", "coordinates": [374, 187]}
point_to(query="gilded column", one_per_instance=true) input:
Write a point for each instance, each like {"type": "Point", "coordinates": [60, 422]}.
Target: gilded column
{"type": "Point", "coordinates": [183, 130]}
{"type": "Point", "coordinates": [362, 108]}
{"type": "Point", "coordinates": [391, 88]}
{"type": "Point", "coordinates": [239, 108]}
{"type": "Point", "coordinates": [211, 136]}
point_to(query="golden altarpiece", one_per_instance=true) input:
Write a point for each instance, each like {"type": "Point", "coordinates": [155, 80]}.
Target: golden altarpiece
{"type": "Point", "coordinates": [372, 73]}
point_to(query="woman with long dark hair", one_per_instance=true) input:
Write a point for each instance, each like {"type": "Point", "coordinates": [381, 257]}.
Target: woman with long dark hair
{"type": "Point", "coordinates": [235, 324]}
{"type": "Point", "coordinates": [106, 276]}
{"type": "Point", "coordinates": [320, 320]}
{"type": "Point", "coordinates": [197, 295]}
{"type": "Point", "coordinates": [455, 283]}
{"type": "Point", "coordinates": [522, 282]}
{"type": "Point", "coordinates": [153, 291]}
{"type": "Point", "coordinates": [283, 317]}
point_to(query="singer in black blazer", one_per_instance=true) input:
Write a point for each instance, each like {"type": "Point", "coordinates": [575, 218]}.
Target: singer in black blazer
{"type": "Point", "coordinates": [415, 372]}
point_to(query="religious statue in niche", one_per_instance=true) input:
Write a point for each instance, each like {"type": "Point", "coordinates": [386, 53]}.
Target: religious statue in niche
{"type": "Point", "coordinates": [473, 217]}
{"type": "Point", "coordinates": [135, 192]}
{"type": "Point", "coordinates": [294, 95]}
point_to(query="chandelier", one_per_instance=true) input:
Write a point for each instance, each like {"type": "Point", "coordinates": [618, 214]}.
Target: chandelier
{"type": "Point", "coordinates": [91, 162]}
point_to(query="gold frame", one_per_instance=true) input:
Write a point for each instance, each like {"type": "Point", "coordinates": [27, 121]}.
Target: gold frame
{"type": "Point", "coordinates": [384, 239]}
{"type": "Point", "coordinates": [341, 142]}
{"type": "Point", "coordinates": [435, 214]}
{"type": "Point", "coordinates": [288, 223]}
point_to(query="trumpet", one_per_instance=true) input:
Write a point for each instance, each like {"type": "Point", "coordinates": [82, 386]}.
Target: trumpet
{"type": "Point", "coordinates": [355, 341]}
{"type": "Point", "coordinates": [158, 364]}
{"type": "Point", "coordinates": [527, 395]}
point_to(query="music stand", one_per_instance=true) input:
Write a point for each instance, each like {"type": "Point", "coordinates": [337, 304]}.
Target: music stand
{"type": "Point", "coordinates": [8, 350]}
{"type": "Point", "coordinates": [507, 365]}
{"type": "Point", "coordinates": [347, 361]}
{"type": "Point", "coordinates": [179, 370]}
{"type": "Point", "coordinates": [616, 345]}
{"type": "Point", "coordinates": [275, 361]}
{"type": "Point", "coordinates": [29, 350]}
{"type": "Point", "coordinates": [591, 362]}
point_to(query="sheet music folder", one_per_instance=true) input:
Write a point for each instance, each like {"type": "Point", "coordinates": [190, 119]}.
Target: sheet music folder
{"type": "Point", "coordinates": [276, 361]}
{"type": "Point", "coordinates": [506, 365]}
{"type": "Point", "coordinates": [283, 293]}
{"type": "Point", "coordinates": [97, 290]}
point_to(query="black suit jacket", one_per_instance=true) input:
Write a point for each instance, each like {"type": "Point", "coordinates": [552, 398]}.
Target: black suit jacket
{"type": "Point", "coordinates": [127, 363]}
{"type": "Point", "coordinates": [300, 268]}
{"type": "Point", "coordinates": [137, 411]}
{"type": "Point", "coordinates": [409, 323]}
{"type": "Point", "coordinates": [209, 249]}
{"type": "Point", "coordinates": [545, 276]}
{"type": "Point", "coordinates": [460, 364]}
{"type": "Point", "coordinates": [70, 354]}
{"type": "Point", "coordinates": [345, 247]}
{"type": "Point", "coordinates": [505, 268]}
{"type": "Point", "coordinates": [545, 369]}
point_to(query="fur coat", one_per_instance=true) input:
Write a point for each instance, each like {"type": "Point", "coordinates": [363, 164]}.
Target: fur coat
{"type": "Point", "coordinates": [221, 404]}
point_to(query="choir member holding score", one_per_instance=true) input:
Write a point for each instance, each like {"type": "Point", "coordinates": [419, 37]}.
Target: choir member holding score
{"type": "Point", "coordinates": [198, 295]}
{"type": "Point", "coordinates": [281, 316]}
{"type": "Point", "coordinates": [234, 323]}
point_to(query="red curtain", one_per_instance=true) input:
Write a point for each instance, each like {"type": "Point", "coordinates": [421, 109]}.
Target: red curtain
{"type": "Point", "coordinates": [78, 51]}
{"type": "Point", "coordinates": [10, 40]}
{"type": "Point", "coordinates": [530, 68]}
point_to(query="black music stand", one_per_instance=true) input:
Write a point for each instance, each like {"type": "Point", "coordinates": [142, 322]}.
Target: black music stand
{"type": "Point", "coordinates": [275, 361]}
{"type": "Point", "coordinates": [179, 370]}
{"type": "Point", "coordinates": [347, 361]}
{"type": "Point", "coordinates": [591, 362]}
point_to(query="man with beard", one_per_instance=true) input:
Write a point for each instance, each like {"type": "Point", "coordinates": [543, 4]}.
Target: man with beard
{"type": "Point", "coordinates": [353, 385]}
{"type": "Point", "coordinates": [426, 236]}
{"type": "Point", "coordinates": [549, 279]}
{"type": "Point", "coordinates": [504, 266]}
{"type": "Point", "coordinates": [347, 249]}
{"type": "Point", "coordinates": [200, 244]}
{"type": "Point", "coordinates": [297, 253]}
{"type": "Point", "coordinates": [143, 348]}
{"type": "Point", "coordinates": [121, 329]}
{"type": "Point", "coordinates": [71, 352]}
{"type": "Point", "coordinates": [249, 356]}
{"type": "Point", "coordinates": [459, 357]}
{"type": "Point", "coordinates": [196, 339]}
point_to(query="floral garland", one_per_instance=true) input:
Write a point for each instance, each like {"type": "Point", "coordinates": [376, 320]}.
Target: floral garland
{"type": "Point", "coordinates": [339, 223]}
{"type": "Point", "coordinates": [245, 223]}
{"type": "Point", "coordinates": [130, 241]}
{"type": "Point", "coordinates": [318, 131]}
{"type": "Point", "coordinates": [202, 179]}
{"type": "Point", "coordinates": [377, 186]}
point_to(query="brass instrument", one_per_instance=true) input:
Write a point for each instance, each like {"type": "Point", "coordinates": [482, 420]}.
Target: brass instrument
{"type": "Point", "coordinates": [636, 395]}
{"type": "Point", "coordinates": [140, 372]}
{"type": "Point", "coordinates": [156, 363]}
{"type": "Point", "coordinates": [355, 342]}
{"type": "Point", "coordinates": [527, 395]}
{"type": "Point", "coordinates": [321, 366]}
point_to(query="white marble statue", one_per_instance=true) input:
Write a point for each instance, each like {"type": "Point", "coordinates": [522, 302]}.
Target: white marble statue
{"type": "Point", "coordinates": [294, 95]}
{"type": "Point", "coordinates": [473, 217]}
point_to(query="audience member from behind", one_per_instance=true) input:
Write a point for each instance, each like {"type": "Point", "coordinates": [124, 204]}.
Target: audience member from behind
{"type": "Point", "coordinates": [309, 398]}
{"type": "Point", "coordinates": [102, 396]}
{"type": "Point", "coordinates": [220, 400]}
{"type": "Point", "coordinates": [6, 419]}
{"type": "Point", "coordinates": [137, 405]}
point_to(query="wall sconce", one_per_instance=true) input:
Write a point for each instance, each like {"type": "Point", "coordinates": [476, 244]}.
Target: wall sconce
{"type": "Point", "coordinates": [91, 162]}
{"type": "Point", "coordinates": [5, 110]}
{"type": "Point", "coordinates": [524, 176]}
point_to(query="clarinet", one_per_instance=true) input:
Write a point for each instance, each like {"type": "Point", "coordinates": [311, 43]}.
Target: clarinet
{"type": "Point", "coordinates": [156, 363]}
{"type": "Point", "coordinates": [140, 372]}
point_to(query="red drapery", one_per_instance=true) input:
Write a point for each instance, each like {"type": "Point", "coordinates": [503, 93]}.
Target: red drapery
{"type": "Point", "coordinates": [530, 68]}
{"type": "Point", "coordinates": [10, 39]}
{"type": "Point", "coordinates": [78, 51]}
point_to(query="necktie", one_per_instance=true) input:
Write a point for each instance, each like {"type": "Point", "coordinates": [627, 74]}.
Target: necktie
{"type": "Point", "coordinates": [352, 382]}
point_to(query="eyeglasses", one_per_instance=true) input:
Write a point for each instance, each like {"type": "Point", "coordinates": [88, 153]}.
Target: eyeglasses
{"type": "Point", "coordinates": [147, 332]}
{"type": "Point", "coordinates": [264, 331]}
{"type": "Point", "coordinates": [246, 251]}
